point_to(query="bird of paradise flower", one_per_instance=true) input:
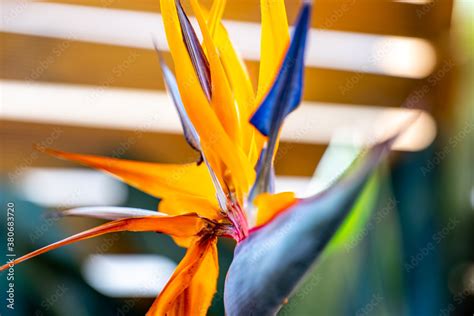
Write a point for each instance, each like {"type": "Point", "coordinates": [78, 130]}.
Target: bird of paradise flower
{"type": "Point", "coordinates": [229, 191]}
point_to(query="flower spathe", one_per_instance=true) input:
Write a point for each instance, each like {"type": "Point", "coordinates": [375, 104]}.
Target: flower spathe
{"type": "Point", "coordinates": [235, 130]}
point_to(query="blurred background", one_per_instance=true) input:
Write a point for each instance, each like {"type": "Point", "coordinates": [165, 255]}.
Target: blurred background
{"type": "Point", "coordinates": [82, 76]}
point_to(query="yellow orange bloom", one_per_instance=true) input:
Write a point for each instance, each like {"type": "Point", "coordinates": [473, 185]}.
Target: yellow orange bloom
{"type": "Point", "coordinates": [203, 201]}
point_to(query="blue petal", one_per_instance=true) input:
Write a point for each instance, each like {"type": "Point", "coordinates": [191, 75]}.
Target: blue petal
{"type": "Point", "coordinates": [285, 94]}
{"type": "Point", "coordinates": [281, 252]}
{"type": "Point", "coordinates": [198, 58]}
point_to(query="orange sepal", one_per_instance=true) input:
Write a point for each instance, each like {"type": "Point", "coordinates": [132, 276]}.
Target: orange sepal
{"type": "Point", "coordinates": [193, 284]}
{"type": "Point", "coordinates": [274, 42]}
{"type": "Point", "coordinates": [270, 205]}
{"type": "Point", "coordinates": [237, 75]}
{"type": "Point", "coordinates": [189, 204]}
{"type": "Point", "coordinates": [222, 99]}
{"type": "Point", "coordinates": [183, 204]}
{"type": "Point", "coordinates": [183, 226]}
{"type": "Point", "coordinates": [216, 143]}
{"type": "Point", "coordinates": [159, 180]}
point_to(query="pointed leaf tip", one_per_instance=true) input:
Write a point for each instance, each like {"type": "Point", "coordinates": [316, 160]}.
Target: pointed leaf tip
{"type": "Point", "coordinates": [303, 230]}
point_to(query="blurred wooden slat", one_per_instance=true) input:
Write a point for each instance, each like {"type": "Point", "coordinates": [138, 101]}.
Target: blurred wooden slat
{"type": "Point", "coordinates": [54, 60]}
{"type": "Point", "coordinates": [367, 16]}
{"type": "Point", "coordinates": [18, 138]}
